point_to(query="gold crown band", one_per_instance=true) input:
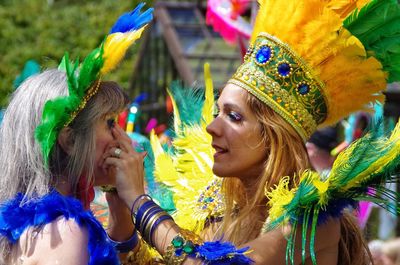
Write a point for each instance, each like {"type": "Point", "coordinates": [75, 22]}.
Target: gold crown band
{"type": "Point", "coordinates": [89, 94]}
{"type": "Point", "coordinates": [278, 77]}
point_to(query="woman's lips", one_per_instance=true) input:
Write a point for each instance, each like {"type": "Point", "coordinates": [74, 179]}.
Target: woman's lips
{"type": "Point", "coordinates": [219, 151]}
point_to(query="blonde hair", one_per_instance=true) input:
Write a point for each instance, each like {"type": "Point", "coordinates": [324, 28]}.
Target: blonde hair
{"type": "Point", "coordinates": [287, 156]}
{"type": "Point", "coordinates": [110, 99]}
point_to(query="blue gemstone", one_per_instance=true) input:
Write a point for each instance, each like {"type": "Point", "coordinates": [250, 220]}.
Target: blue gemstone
{"type": "Point", "coordinates": [303, 89]}
{"type": "Point", "coordinates": [263, 54]}
{"type": "Point", "coordinates": [209, 199]}
{"type": "Point", "coordinates": [284, 69]}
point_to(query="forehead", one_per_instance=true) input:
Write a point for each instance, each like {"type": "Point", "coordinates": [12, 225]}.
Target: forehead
{"type": "Point", "coordinates": [232, 94]}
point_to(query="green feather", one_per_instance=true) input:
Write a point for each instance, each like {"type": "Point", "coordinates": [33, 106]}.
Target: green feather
{"type": "Point", "coordinates": [53, 120]}
{"type": "Point", "coordinates": [377, 26]}
{"type": "Point", "coordinates": [90, 69]}
{"type": "Point", "coordinates": [189, 101]}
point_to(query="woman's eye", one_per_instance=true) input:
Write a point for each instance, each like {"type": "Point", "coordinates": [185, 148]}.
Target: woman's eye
{"type": "Point", "coordinates": [111, 123]}
{"type": "Point", "coordinates": [234, 116]}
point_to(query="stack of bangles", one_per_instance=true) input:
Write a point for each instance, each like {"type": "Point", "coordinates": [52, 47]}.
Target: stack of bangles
{"type": "Point", "coordinates": [147, 217]}
{"type": "Point", "coordinates": [185, 244]}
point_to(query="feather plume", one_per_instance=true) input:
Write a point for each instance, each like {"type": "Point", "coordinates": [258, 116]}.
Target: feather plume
{"type": "Point", "coordinates": [208, 109]}
{"type": "Point", "coordinates": [189, 167]}
{"type": "Point", "coordinates": [353, 172]}
{"type": "Point", "coordinates": [58, 112]}
{"type": "Point", "coordinates": [187, 103]}
{"type": "Point", "coordinates": [376, 25]}
{"type": "Point", "coordinates": [314, 30]}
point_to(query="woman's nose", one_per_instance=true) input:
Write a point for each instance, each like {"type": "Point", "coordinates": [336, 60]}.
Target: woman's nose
{"type": "Point", "coordinates": [213, 128]}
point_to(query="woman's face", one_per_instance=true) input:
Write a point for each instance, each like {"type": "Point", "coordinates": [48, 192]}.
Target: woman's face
{"type": "Point", "coordinates": [104, 139]}
{"type": "Point", "coordinates": [236, 137]}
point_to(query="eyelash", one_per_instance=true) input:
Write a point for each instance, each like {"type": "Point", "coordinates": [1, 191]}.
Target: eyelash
{"type": "Point", "coordinates": [233, 116]}
{"type": "Point", "coordinates": [111, 123]}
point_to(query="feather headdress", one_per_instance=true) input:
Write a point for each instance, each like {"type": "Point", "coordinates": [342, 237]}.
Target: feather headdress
{"type": "Point", "coordinates": [316, 61]}
{"type": "Point", "coordinates": [188, 171]}
{"type": "Point", "coordinates": [81, 78]}
{"type": "Point", "coordinates": [357, 175]}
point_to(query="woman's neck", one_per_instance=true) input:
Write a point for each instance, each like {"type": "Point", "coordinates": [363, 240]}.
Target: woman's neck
{"type": "Point", "coordinates": [250, 186]}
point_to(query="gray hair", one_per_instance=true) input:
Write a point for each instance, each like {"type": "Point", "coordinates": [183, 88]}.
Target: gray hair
{"type": "Point", "coordinates": [21, 158]}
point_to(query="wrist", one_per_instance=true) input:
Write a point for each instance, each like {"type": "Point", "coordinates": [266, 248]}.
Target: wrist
{"type": "Point", "coordinates": [129, 197]}
{"type": "Point", "coordinates": [127, 245]}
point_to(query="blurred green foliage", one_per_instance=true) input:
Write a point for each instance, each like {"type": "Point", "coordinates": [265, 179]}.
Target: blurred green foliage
{"type": "Point", "coordinates": [43, 30]}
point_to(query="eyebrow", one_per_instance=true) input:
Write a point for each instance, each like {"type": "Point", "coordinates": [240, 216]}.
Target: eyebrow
{"type": "Point", "coordinates": [230, 106]}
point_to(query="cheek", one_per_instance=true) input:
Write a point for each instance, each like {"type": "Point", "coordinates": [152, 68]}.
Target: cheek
{"type": "Point", "coordinates": [102, 142]}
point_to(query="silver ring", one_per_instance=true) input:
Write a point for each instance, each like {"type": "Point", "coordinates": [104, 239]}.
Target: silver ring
{"type": "Point", "coordinates": [117, 152]}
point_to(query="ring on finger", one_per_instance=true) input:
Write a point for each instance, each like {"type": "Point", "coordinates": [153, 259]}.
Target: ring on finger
{"type": "Point", "coordinates": [117, 152]}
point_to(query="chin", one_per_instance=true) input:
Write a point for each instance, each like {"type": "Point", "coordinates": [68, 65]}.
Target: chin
{"type": "Point", "coordinates": [222, 172]}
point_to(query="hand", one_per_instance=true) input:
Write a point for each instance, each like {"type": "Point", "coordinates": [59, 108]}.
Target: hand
{"type": "Point", "coordinates": [128, 164]}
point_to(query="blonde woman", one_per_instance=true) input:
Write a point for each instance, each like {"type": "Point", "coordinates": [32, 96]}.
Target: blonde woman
{"type": "Point", "coordinates": [307, 66]}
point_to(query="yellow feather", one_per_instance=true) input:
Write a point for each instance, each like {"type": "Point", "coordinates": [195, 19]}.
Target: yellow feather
{"type": "Point", "coordinates": [189, 171]}
{"type": "Point", "coordinates": [313, 29]}
{"type": "Point", "coordinates": [207, 112]}
{"type": "Point", "coordinates": [345, 7]}
{"type": "Point", "coordinates": [165, 169]}
{"type": "Point", "coordinates": [279, 197]}
{"type": "Point", "coordinates": [115, 48]}
{"type": "Point", "coordinates": [392, 149]}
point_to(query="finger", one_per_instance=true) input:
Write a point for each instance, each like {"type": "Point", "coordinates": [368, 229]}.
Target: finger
{"type": "Point", "coordinates": [113, 143]}
{"type": "Point", "coordinates": [127, 147]}
{"type": "Point", "coordinates": [121, 134]}
{"type": "Point", "coordinates": [124, 142]}
{"type": "Point", "coordinates": [115, 152]}
{"type": "Point", "coordinates": [110, 162]}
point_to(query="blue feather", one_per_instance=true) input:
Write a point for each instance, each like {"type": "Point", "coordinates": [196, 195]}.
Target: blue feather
{"type": "Point", "coordinates": [16, 216]}
{"type": "Point", "coordinates": [132, 20]}
{"type": "Point", "coordinates": [218, 253]}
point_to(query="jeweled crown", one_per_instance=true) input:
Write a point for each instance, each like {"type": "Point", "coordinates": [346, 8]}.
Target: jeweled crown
{"type": "Point", "coordinates": [278, 77]}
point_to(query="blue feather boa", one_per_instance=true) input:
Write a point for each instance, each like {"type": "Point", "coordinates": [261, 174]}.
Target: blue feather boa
{"type": "Point", "coordinates": [15, 218]}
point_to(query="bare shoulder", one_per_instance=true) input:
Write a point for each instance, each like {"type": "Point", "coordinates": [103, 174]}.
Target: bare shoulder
{"type": "Point", "coordinates": [328, 234]}
{"type": "Point", "coordinates": [270, 248]}
{"type": "Point", "coordinates": [59, 242]}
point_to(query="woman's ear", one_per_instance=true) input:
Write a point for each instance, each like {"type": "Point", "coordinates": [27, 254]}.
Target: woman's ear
{"type": "Point", "coordinates": [65, 140]}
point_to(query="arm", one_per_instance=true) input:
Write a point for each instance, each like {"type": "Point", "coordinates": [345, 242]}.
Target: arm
{"type": "Point", "coordinates": [120, 225]}
{"type": "Point", "coordinates": [267, 248]}
{"type": "Point", "coordinates": [270, 248]}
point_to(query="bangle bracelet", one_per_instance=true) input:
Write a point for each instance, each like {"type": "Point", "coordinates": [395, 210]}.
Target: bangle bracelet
{"type": "Point", "coordinates": [140, 222]}
{"type": "Point", "coordinates": [126, 246]}
{"type": "Point", "coordinates": [146, 230]}
{"type": "Point", "coordinates": [155, 224]}
{"type": "Point", "coordinates": [143, 196]}
{"type": "Point", "coordinates": [142, 212]}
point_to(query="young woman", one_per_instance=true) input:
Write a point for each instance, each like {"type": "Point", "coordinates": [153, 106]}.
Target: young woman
{"type": "Point", "coordinates": [306, 66]}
